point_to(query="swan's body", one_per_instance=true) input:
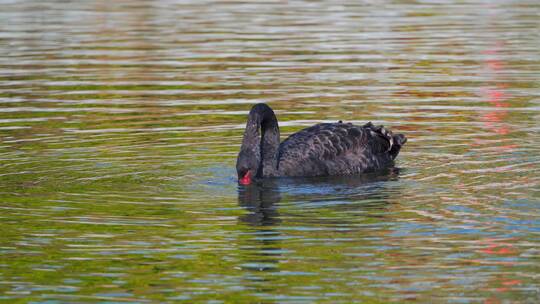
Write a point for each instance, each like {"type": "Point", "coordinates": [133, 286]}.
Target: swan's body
{"type": "Point", "coordinates": [321, 150]}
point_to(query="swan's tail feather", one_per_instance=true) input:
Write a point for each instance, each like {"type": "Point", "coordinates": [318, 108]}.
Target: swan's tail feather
{"type": "Point", "coordinates": [396, 141]}
{"type": "Point", "coordinates": [399, 141]}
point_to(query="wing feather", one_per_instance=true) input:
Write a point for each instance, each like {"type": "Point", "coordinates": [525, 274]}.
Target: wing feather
{"type": "Point", "coordinates": [335, 149]}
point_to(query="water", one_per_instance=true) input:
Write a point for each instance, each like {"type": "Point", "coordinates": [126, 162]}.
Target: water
{"type": "Point", "coordinates": [120, 122]}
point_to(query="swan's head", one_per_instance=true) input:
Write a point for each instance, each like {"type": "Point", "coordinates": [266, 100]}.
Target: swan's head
{"type": "Point", "coordinates": [247, 165]}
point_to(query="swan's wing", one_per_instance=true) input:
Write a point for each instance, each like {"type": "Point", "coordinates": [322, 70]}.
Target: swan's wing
{"type": "Point", "coordinates": [337, 148]}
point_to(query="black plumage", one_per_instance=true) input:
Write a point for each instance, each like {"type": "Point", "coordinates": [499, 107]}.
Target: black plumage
{"type": "Point", "coordinates": [321, 150]}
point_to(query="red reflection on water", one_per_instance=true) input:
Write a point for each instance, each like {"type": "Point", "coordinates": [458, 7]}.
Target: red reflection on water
{"type": "Point", "coordinates": [511, 282]}
{"type": "Point", "coordinates": [498, 247]}
{"type": "Point", "coordinates": [497, 96]}
{"type": "Point", "coordinates": [492, 301]}
{"type": "Point", "coordinates": [508, 284]}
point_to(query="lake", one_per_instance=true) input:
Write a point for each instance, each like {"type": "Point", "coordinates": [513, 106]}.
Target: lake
{"type": "Point", "coordinates": [120, 122]}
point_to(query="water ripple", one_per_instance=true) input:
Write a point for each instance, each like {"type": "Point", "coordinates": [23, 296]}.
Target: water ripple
{"type": "Point", "coordinates": [120, 123]}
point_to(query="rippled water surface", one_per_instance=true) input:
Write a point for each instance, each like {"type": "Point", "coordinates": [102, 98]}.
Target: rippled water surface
{"type": "Point", "coordinates": [120, 122]}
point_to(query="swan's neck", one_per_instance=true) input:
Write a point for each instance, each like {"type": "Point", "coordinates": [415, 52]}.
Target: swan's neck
{"type": "Point", "coordinates": [269, 148]}
{"type": "Point", "coordinates": [262, 136]}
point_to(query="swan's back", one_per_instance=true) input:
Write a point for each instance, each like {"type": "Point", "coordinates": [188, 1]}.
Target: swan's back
{"type": "Point", "coordinates": [338, 149]}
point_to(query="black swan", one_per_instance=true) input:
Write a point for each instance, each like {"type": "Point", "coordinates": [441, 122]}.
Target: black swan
{"type": "Point", "coordinates": [321, 150]}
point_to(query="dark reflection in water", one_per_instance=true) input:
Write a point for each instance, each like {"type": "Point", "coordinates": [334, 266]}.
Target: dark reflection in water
{"type": "Point", "coordinates": [262, 201]}
{"type": "Point", "coordinates": [260, 198]}
{"type": "Point", "coordinates": [262, 248]}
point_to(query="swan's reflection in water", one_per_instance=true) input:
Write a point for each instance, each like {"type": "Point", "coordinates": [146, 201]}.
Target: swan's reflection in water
{"type": "Point", "coordinates": [260, 200]}
{"type": "Point", "coordinates": [272, 202]}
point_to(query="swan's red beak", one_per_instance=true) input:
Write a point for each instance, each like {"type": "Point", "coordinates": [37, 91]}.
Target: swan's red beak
{"type": "Point", "coordinates": [246, 179]}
